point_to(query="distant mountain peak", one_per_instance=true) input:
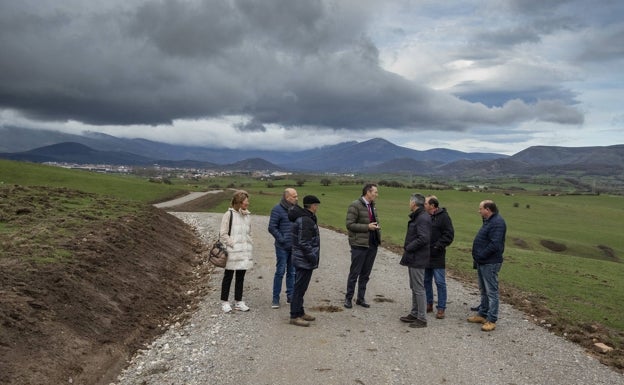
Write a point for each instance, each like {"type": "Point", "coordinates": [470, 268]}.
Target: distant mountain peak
{"type": "Point", "coordinates": [373, 155]}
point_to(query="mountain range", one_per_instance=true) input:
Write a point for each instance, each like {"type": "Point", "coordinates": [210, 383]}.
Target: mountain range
{"type": "Point", "coordinates": [372, 156]}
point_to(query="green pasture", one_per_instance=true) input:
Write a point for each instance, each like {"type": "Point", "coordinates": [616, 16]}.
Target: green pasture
{"type": "Point", "coordinates": [123, 186]}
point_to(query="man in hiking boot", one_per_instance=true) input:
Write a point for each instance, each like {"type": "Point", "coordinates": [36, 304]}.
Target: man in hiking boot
{"type": "Point", "coordinates": [487, 255]}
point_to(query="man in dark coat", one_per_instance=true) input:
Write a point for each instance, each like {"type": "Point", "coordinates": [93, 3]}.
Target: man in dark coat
{"type": "Point", "coordinates": [442, 234]}
{"type": "Point", "coordinates": [487, 254]}
{"type": "Point", "coordinates": [416, 258]}
{"type": "Point", "coordinates": [280, 228]}
{"type": "Point", "coordinates": [306, 248]}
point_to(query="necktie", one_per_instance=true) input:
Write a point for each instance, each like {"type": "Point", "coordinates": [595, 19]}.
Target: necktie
{"type": "Point", "coordinates": [371, 217]}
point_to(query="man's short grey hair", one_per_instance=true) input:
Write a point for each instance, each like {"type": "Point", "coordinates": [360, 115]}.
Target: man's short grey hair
{"type": "Point", "coordinates": [417, 198]}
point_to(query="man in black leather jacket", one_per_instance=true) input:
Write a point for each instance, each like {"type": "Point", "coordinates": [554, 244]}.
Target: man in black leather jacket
{"type": "Point", "coordinates": [306, 244]}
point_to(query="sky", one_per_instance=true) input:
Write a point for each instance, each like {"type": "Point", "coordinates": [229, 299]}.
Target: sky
{"type": "Point", "coordinates": [471, 75]}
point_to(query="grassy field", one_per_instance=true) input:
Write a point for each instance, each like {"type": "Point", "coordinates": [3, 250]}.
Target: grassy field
{"type": "Point", "coordinates": [581, 284]}
{"type": "Point", "coordinates": [122, 186]}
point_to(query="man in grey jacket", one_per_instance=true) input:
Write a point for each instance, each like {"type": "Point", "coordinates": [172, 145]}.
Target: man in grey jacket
{"type": "Point", "coordinates": [364, 238]}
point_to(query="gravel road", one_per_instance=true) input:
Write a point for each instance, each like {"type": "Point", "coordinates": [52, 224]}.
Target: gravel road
{"type": "Point", "coordinates": [186, 198]}
{"type": "Point", "coordinates": [352, 346]}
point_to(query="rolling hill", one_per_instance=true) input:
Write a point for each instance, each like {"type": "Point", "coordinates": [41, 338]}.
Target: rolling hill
{"type": "Point", "coordinates": [372, 156]}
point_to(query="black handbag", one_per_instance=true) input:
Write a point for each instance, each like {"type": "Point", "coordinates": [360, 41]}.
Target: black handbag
{"type": "Point", "coordinates": [218, 254]}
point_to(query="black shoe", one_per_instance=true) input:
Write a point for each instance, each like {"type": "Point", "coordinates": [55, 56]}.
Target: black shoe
{"type": "Point", "coordinates": [418, 324]}
{"type": "Point", "coordinates": [362, 303]}
{"type": "Point", "coordinates": [408, 318]}
{"type": "Point", "coordinates": [348, 304]}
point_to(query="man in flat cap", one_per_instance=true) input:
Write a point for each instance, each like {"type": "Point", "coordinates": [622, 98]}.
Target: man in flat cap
{"type": "Point", "coordinates": [306, 242]}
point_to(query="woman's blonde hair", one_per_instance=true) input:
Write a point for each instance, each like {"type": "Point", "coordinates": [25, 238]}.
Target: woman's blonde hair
{"type": "Point", "coordinates": [238, 198]}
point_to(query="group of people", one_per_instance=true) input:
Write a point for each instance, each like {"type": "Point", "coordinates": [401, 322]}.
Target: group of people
{"type": "Point", "coordinates": [297, 249]}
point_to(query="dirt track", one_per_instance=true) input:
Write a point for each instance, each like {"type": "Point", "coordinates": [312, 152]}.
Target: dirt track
{"type": "Point", "coordinates": [357, 346]}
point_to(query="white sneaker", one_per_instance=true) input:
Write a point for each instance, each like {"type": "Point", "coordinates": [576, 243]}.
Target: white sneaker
{"type": "Point", "coordinates": [226, 307]}
{"type": "Point", "coordinates": [240, 306]}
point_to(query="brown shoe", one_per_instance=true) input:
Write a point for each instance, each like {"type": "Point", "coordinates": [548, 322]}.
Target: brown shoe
{"type": "Point", "coordinates": [488, 326]}
{"type": "Point", "coordinates": [440, 314]}
{"type": "Point", "coordinates": [307, 317]}
{"type": "Point", "coordinates": [299, 322]}
{"type": "Point", "coordinates": [429, 308]}
{"type": "Point", "coordinates": [477, 319]}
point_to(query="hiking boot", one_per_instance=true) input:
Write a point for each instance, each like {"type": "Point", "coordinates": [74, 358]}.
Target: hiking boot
{"type": "Point", "coordinates": [477, 319]}
{"type": "Point", "coordinates": [408, 318]}
{"type": "Point", "coordinates": [299, 322]}
{"type": "Point", "coordinates": [418, 324]}
{"type": "Point", "coordinates": [488, 326]}
{"type": "Point", "coordinates": [429, 308]}
{"type": "Point", "coordinates": [226, 307]}
{"type": "Point", "coordinates": [241, 306]}
{"type": "Point", "coordinates": [307, 317]}
{"type": "Point", "coordinates": [440, 314]}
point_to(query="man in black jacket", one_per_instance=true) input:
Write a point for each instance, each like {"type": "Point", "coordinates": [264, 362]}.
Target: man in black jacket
{"type": "Point", "coordinates": [416, 258]}
{"type": "Point", "coordinates": [442, 234]}
{"type": "Point", "coordinates": [306, 243]}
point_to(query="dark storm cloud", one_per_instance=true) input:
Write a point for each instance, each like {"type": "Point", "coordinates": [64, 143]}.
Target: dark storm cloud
{"type": "Point", "coordinates": [279, 62]}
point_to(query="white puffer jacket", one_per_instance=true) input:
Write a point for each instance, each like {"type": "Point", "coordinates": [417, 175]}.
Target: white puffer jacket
{"type": "Point", "coordinates": [239, 242]}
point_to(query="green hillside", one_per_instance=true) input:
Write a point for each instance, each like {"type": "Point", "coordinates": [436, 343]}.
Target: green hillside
{"type": "Point", "coordinates": [123, 186]}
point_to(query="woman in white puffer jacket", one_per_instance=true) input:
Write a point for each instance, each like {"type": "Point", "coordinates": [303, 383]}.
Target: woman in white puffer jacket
{"type": "Point", "coordinates": [240, 247]}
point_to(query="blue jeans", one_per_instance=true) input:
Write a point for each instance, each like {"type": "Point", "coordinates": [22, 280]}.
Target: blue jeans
{"type": "Point", "coordinates": [488, 286]}
{"type": "Point", "coordinates": [439, 275]}
{"type": "Point", "coordinates": [283, 266]}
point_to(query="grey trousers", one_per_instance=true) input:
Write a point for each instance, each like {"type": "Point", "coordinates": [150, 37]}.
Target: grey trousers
{"type": "Point", "coordinates": [419, 298]}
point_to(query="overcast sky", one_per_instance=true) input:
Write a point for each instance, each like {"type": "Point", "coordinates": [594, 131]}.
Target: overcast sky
{"type": "Point", "coordinates": [470, 75]}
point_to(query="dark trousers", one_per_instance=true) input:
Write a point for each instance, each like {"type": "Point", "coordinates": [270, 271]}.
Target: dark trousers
{"type": "Point", "coordinates": [238, 286]}
{"type": "Point", "coordinates": [302, 281]}
{"type": "Point", "coordinates": [362, 261]}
